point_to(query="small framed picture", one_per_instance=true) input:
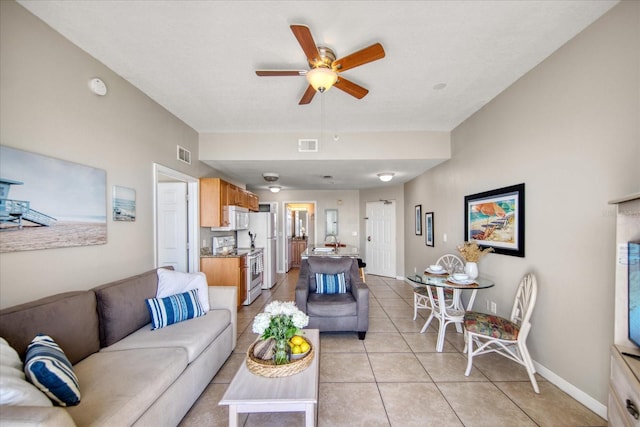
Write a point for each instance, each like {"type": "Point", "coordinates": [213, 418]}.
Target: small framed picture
{"type": "Point", "coordinates": [124, 203]}
{"type": "Point", "coordinates": [428, 226]}
{"type": "Point", "coordinates": [418, 220]}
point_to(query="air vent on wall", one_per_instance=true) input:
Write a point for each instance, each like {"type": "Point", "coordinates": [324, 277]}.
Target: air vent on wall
{"type": "Point", "coordinates": [307, 145]}
{"type": "Point", "coordinates": [184, 155]}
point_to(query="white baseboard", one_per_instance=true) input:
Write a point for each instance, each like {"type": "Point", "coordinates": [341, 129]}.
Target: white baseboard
{"type": "Point", "coordinates": [572, 390]}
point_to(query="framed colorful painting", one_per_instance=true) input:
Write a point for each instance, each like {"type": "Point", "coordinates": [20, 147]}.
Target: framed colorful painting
{"type": "Point", "coordinates": [496, 219]}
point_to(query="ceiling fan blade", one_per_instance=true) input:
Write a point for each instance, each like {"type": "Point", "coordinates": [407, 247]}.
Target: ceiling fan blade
{"type": "Point", "coordinates": [308, 95]}
{"type": "Point", "coordinates": [277, 73]}
{"type": "Point", "coordinates": [303, 34]}
{"type": "Point", "coordinates": [351, 88]}
{"type": "Point", "coordinates": [361, 57]}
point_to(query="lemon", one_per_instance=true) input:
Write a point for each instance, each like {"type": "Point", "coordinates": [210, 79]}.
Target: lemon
{"type": "Point", "coordinates": [305, 347]}
{"type": "Point", "coordinates": [297, 340]}
{"type": "Point", "coordinates": [296, 349]}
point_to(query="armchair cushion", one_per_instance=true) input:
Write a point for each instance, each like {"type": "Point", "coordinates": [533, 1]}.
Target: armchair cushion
{"type": "Point", "coordinates": [328, 265]}
{"type": "Point", "coordinates": [333, 305]}
{"type": "Point", "coordinates": [330, 283]}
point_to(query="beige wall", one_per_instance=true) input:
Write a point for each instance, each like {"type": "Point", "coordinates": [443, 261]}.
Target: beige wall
{"type": "Point", "coordinates": [46, 107]}
{"type": "Point", "coordinates": [569, 130]}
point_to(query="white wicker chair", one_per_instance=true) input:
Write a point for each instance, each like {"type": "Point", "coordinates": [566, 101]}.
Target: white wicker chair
{"type": "Point", "coordinates": [507, 337]}
{"type": "Point", "coordinates": [420, 296]}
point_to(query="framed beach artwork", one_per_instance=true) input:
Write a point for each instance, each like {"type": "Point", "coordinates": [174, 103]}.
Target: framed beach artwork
{"type": "Point", "coordinates": [49, 203]}
{"type": "Point", "coordinates": [428, 226]}
{"type": "Point", "coordinates": [496, 219]}
{"type": "Point", "coordinates": [418, 220]}
{"type": "Point", "coordinates": [124, 204]}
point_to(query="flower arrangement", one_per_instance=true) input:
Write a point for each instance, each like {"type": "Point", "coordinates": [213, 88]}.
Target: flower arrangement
{"type": "Point", "coordinates": [280, 321]}
{"type": "Point", "coordinates": [471, 252]}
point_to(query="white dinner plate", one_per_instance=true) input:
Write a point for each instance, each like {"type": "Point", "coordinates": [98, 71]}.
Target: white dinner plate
{"type": "Point", "coordinates": [461, 282]}
{"type": "Point", "coordinates": [443, 271]}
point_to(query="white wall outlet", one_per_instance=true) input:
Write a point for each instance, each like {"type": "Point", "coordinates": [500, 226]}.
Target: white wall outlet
{"type": "Point", "coordinates": [354, 233]}
{"type": "Point", "coordinates": [204, 243]}
{"type": "Point", "coordinates": [488, 303]}
{"type": "Point", "coordinates": [494, 307]}
{"type": "Point", "coordinates": [415, 270]}
{"type": "Point", "coordinates": [444, 237]}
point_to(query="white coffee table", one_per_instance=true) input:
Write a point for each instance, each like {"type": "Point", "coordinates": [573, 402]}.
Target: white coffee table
{"type": "Point", "coordinates": [251, 393]}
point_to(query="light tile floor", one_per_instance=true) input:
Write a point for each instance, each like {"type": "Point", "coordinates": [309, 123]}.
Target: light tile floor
{"type": "Point", "coordinates": [395, 377]}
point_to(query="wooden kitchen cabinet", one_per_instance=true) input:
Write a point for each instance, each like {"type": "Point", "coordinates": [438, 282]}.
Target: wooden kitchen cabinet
{"type": "Point", "coordinates": [252, 202]}
{"type": "Point", "coordinates": [215, 195]}
{"type": "Point", "coordinates": [226, 271]}
{"type": "Point", "coordinates": [297, 248]}
{"type": "Point", "coordinates": [213, 200]}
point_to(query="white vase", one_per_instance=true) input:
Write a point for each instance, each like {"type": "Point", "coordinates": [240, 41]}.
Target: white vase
{"type": "Point", "coordinates": [471, 268]}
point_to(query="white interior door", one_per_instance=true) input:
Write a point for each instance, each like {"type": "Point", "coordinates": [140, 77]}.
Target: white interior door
{"type": "Point", "coordinates": [172, 225]}
{"type": "Point", "coordinates": [381, 238]}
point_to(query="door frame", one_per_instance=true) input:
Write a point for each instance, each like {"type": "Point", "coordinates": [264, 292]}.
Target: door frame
{"type": "Point", "coordinates": [285, 237]}
{"type": "Point", "coordinates": [193, 223]}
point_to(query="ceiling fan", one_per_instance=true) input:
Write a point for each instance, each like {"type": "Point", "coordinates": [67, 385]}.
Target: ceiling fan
{"type": "Point", "coordinates": [325, 68]}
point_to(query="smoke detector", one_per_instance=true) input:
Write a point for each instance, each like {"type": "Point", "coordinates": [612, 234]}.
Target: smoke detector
{"type": "Point", "coordinates": [270, 176]}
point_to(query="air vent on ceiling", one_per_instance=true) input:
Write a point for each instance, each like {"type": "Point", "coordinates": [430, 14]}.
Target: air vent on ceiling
{"type": "Point", "coordinates": [307, 145]}
{"type": "Point", "coordinates": [184, 155]}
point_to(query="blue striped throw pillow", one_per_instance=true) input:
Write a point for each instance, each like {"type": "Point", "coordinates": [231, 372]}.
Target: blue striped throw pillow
{"type": "Point", "coordinates": [175, 308]}
{"type": "Point", "coordinates": [48, 368]}
{"type": "Point", "coordinates": [330, 283]}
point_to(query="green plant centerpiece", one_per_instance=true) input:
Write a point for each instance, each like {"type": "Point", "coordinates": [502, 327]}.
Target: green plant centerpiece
{"type": "Point", "coordinates": [281, 320]}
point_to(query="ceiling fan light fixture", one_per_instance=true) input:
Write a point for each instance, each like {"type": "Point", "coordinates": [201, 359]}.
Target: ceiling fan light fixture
{"type": "Point", "coordinates": [386, 176]}
{"type": "Point", "coordinates": [275, 188]}
{"type": "Point", "coordinates": [270, 176]}
{"type": "Point", "coordinates": [322, 78]}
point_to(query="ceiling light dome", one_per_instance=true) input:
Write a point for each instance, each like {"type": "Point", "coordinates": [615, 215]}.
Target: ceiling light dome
{"type": "Point", "coordinates": [275, 188]}
{"type": "Point", "coordinates": [270, 176]}
{"type": "Point", "coordinates": [386, 176]}
{"type": "Point", "coordinates": [322, 78]}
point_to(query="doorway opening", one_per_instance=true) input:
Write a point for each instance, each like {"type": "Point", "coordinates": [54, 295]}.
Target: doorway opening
{"type": "Point", "coordinates": [299, 231]}
{"type": "Point", "coordinates": [175, 219]}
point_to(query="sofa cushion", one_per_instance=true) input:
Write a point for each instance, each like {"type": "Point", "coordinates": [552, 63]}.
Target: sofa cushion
{"type": "Point", "coordinates": [328, 265]}
{"type": "Point", "coordinates": [118, 386]}
{"type": "Point", "coordinates": [174, 309]}
{"type": "Point", "coordinates": [122, 306]}
{"type": "Point", "coordinates": [193, 335]}
{"type": "Point", "coordinates": [48, 368]}
{"type": "Point", "coordinates": [330, 283]}
{"type": "Point", "coordinates": [70, 318]}
{"type": "Point", "coordinates": [15, 390]}
{"type": "Point", "coordinates": [335, 305]}
{"type": "Point", "coordinates": [176, 282]}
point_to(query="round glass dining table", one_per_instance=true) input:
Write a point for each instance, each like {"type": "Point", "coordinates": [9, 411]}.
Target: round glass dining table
{"type": "Point", "coordinates": [451, 311]}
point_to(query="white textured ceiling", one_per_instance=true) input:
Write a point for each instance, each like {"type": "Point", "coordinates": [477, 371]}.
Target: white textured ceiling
{"type": "Point", "coordinates": [197, 58]}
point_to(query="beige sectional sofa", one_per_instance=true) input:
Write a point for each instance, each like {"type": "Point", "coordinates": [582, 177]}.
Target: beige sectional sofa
{"type": "Point", "coordinates": [128, 374]}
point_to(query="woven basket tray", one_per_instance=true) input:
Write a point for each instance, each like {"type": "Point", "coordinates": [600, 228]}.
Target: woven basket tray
{"type": "Point", "coordinates": [267, 368]}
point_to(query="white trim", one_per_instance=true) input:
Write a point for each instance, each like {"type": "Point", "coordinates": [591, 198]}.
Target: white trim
{"type": "Point", "coordinates": [193, 185]}
{"type": "Point", "coordinates": [571, 390]}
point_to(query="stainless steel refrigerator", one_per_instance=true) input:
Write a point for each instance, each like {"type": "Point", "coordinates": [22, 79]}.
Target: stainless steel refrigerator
{"type": "Point", "coordinates": [263, 226]}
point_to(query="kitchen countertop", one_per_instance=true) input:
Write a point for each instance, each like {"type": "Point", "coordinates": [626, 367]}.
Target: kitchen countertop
{"type": "Point", "coordinates": [348, 251]}
{"type": "Point", "coordinates": [240, 252]}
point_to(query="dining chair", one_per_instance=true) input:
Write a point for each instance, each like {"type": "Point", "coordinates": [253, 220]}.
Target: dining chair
{"type": "Point", "coordinates": [507, 337]}
{"type": "Point", "coordinates": [420, 296]}
{"type": "Point", "coordinates": [446, 314]}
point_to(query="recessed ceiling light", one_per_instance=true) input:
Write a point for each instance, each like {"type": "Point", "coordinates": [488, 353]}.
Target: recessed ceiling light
{"type": "Point", "coordinates": [439, 86]}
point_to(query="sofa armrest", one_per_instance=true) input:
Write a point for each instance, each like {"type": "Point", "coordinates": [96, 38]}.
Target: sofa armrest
{"type": "Point", "coordinates": [14, 416]}
{"type": "Point", "coordinates": [302, 287]}
{"type": "Point", "coordinates": [226, 297]}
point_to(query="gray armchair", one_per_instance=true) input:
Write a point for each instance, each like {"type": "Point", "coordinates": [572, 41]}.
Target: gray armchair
{"type": "Point", "coordinates": [334, 312]}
